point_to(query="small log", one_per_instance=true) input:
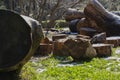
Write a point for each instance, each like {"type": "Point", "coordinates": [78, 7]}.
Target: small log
{"type": "Point", "coordinates": [80, 49]}
{"type": "Point", "coordinates": [103, 50]}
{"type": "Point", "coordinates": [44, 49]}
{"type": "Point", "coordinates": [99, 38]}
{"type": "Point", "coordinates": [88, 31]}
{"type": "Point", "coordinates": [60, 49]}
{"type": "Point", "coordinates": [58, 36]}
{"type": "Point", "coordinates": [113, 40]}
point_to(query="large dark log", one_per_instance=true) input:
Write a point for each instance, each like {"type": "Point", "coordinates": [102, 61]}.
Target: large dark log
{"type": "Point", "coordinates": [73, 24]}
{"type": "Point", "coordinates": [19, 38]}
{"type": "Point", "coordinates": [107, 21]}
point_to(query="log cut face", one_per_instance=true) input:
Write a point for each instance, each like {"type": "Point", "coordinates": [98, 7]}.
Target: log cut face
{"type": "Point", "coordinates": [80, 49]}
{"type": "Point", "coordinates": [107, 21]}
{"type": "Point", "coordinates": [19, 38]}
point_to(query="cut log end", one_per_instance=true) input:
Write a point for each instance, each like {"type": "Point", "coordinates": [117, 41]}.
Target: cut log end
{"type": "Point", "coordinates": [103, 50]}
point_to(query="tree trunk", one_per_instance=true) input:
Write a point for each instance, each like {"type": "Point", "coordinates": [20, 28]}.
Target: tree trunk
{"type": "Point", "coordinates": [107, 21]}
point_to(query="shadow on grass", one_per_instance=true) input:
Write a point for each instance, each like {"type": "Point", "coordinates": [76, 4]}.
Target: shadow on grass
{"type": "Point", "coordinates": [68, 61]}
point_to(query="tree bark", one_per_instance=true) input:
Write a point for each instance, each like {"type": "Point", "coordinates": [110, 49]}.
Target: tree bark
{"type": "Point", "coordinates": [105, 20]}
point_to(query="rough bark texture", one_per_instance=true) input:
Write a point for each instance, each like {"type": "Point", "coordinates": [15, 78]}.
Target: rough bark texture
{"type": "Point", "coordinates": [60, 48]}
{"type": "Point", "coordinates": [45, 48]}
{"type": "Point", "coordinates": [107, 21]}
{"type": "Point", "coordinates": [20, 37]}
{"type": "Point", "coordinates": [99, 38]}
{"type": "Point", "coordinates": [103, 50]}
{"type": "Point", "coordinates": [80, 49]}
{"type": "Point", "coordinates": [113, 40]}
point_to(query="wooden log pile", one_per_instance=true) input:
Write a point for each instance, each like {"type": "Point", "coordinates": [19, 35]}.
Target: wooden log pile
{"type": "Point", "coordinates": [95, 25]}
{"type": "Point", "coordinates": [96, 17]}
{"type": "Point", "coordinates": [102, 26]}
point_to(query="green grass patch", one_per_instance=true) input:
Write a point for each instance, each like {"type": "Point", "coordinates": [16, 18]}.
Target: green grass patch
{"type": "Point", "coordinates": [96, 69]}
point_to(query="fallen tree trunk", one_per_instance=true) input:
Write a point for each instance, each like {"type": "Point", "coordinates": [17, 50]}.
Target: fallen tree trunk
{"type": "Point", "coordinates": [72, 14]}
{"type": "Point", "coordinates": [107, 21]}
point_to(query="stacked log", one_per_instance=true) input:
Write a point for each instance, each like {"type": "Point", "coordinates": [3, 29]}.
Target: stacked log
{"type": "Point", "coordinates": [80, 49]}
{"type": "Point", "coordinates": [115, 40]}
{"type": "Point", "coordinates": [45, 48]}
{"type": "Point", "coordinates": [103, 50]}
{"type": "Point", "coordinates": [60, 49]}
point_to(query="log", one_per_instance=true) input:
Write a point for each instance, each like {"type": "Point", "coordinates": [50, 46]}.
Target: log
{"type": "Point", "coordinates": [58, 36]}
{"type": "Point", "coordinates": [72, 14]}
{"type": "Point", "coordinates": [19, 38]}
{"type": "Point", "coordinates": [80, 49]}
{"type": "Point", "coordinates": [115, 40]}
{"type": "Point", "coordinates": [44, 49]}
{"type": "Point", "coordinates": [88, 31]}
{"type": "Point", "coordinates": [60, 49]}
{"type": "Point", "coordinates": [103, 50]}
{"type": "Point", "coordinates": [105, 20]}
{"type": "Point", "coordinates": [73, 24]}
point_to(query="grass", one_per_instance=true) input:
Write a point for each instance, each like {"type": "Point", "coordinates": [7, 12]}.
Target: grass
{"type": "Point", "coordinates": [96, 69]}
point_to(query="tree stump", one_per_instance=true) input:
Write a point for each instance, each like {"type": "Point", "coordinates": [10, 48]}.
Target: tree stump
{"type": "Point", "coordinates": [113, 40]}
{"type": "Point", "coordinates": [19, 38]}
{"type": "Point", "coordinates": [58, 36]}
{"type": "Point", "coordinates": [103, 50]}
